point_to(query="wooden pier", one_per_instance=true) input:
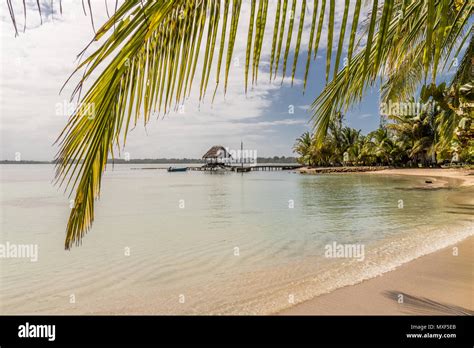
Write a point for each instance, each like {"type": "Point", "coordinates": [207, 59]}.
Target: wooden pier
{"type": "Point", "coordinates": [239, 169]}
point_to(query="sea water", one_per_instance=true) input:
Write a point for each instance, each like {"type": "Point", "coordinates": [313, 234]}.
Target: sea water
{"type": "Point", "coordinates": [207, 243]}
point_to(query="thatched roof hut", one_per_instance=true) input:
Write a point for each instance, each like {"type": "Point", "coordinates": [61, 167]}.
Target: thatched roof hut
{"type": "Point", "coordinates": [217, 154]}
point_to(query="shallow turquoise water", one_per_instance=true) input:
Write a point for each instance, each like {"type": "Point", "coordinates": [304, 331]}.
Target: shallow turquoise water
{"type": "Point", "coordinates": [214, 243]}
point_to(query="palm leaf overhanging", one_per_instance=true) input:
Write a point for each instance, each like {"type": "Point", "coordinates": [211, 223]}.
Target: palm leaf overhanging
{"type": "Point", "coordinates": [150, 50]}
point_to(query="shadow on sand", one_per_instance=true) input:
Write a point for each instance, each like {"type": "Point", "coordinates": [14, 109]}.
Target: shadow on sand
{"type": "Point", "coordinates": [422, 305]}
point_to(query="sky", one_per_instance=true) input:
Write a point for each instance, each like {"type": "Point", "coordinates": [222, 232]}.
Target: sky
{"type": "Point", "coordinates": [268, 119]}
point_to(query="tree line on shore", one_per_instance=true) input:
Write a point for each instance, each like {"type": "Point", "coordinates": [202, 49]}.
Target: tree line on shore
{"type": "Point", "coordinates": [439, 129]}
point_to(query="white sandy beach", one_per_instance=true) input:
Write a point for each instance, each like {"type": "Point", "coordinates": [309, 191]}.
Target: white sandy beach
{"type": "Point", "coordinates": [440, 283]}
{"type": "Point", "coordinates": [440, 177]}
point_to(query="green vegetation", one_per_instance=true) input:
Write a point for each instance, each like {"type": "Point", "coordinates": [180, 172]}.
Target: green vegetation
{"type": "Point", "coordinates": [441, 130]}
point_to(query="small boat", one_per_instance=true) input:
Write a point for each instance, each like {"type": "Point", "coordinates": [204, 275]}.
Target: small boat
{"type": "Point", "coordinates": [242, 169]}
{"type": "Point", "coordinates": [177, 169]}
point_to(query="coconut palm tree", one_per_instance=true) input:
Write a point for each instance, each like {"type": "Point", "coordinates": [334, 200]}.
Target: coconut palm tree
{"type": "Point", "coordinates": [351, 140]}
{"type": "Point", "coordinates": [417, 134]}
{"type": "Point", "coordinates": [379, 144]}
{"type": "Point", "coordinates": [149, 50]}
{"type": "Point", "coordinates": [454, 113]}
{"type": "Point", "coordinates": [325, 152]}
{"type": "Point", "coordinates": [304, 148]}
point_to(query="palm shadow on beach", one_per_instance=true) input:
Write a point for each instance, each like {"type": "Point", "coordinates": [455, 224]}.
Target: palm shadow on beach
{"type": "Point", "coordinates": [425, 306]}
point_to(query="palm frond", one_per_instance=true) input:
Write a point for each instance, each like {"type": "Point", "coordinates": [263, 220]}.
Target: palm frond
{"type": "Point", "coordinates": [310, 44]}
{"type": "Point", "coordinates": [332, 6]}
{"type": "Point", "coordinates": [288, 38]}
{"type": "Point", "coordinates": [355, 22]}
{"type": "Point", "coordinates": [341, 36]}
{"type": "Point", "coordinates": [298, 40]}
{"type": "Point", "coordinates": [349, 84]}
{"type": "Point", "coordinates": [464, 72]}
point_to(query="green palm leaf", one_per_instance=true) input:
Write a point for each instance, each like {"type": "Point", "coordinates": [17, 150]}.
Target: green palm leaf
{"type": "Point", "coordinates": [341, 37]}
{"type": "Point", "coordinates": [310, 47]}
{"type": "Point", "coordinates": [288, 38]}
{"type": "Point", "coordinates": [298, 40]}
{"type": "Point", "coordinates": [332, 6]}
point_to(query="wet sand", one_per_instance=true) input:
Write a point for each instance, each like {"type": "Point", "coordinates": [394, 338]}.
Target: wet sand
{"type": "Point", "coordinates": [436, 284]}
{"type": "Point", "coordinates": [438, 177]}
